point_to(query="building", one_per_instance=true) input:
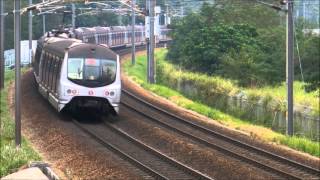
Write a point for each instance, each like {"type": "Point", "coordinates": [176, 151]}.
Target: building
{"type": "Point", "coordinates": [308, 10]}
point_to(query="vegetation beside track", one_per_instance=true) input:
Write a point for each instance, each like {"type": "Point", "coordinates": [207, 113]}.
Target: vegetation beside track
{"type": "Point", "coordinates": [11, 157]}
{"type": "Point", "coordinates": [138, 74]}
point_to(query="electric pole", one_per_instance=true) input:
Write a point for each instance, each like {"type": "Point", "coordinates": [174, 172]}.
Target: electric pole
{"type": "Point", "coordinates": [2, 63]}
{"type": "Point", "coordinates": [152, 5]}
{"type": "Point", "coordinates": [167, 15]}
{"type": "Point", "coordinates": [44, 22]}
{"type": "Point", "coordinates": [289, 59]}
{"type": "Point", "coordinates": [30, 33]}
{"type": "Point", "coordinates": [17, 39]}
{"type": "Point", "coordinates": [120, 17]}
{"type": "Point", "coordinates": [290, 67]}
{"type": "Point", "coordinates": [147, 30]}
{"type": "Point", "coordinates": [73, 16]}
{"type": "Point", "coordinates": [133, 37]}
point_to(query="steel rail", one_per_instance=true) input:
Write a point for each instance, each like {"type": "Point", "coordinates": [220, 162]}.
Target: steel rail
{"type": "Point", "coordinates": [162, 156]}
{"type": "Point", "coordinates": [257, 150]}
{"type": "Point", "coordinates": [124, 155]}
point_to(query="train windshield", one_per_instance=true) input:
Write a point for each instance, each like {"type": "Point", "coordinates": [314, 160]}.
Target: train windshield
{"type": "Point", "coordinates": [91, 72]}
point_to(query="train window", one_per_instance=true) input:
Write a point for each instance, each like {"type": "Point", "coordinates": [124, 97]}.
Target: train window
{"type": "Point", "coordinates": [92, 69]}
{"type": "Point", "coordinates": [54, 74]}
{"type": "Point", "coordinates": [47, 69]}
{"type": "Point", "coordinates": [91, 72]}
{"type": "Point", "coordinates": [75, 68]}
{"type": "Point", "coordinates": [58, 73]}
{"type": "Point", "coordinates": [50, 65]}
{"type": "Point", "coordinates": [109, 69]}
{"type": "Point", "coordinates": [45, 64]}
{"type": "Point", "coordinates": [37, 59]}
{"type": "Point", "coordinates": [42, 65]}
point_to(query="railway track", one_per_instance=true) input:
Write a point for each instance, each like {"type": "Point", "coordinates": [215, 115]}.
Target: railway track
{"type": "Point", "coordinates": [144, 157]}
{"type": "Point", "coordinates": [278, 165]}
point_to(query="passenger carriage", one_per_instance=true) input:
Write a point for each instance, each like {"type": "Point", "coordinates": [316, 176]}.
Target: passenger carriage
{"type": "Point", "coordinates": [73, 74]}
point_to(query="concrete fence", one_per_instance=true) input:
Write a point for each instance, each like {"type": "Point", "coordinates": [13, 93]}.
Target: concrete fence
{"type": "Point", "coordinates": [9, 55]}
{"type": "Point", "coordinates": [259, 110]}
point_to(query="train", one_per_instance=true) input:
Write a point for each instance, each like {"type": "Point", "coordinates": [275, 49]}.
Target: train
{"type": "Point", "coordinates": [118, 36]}
{"type": "Point", "coordinates": [77, 68]}
{"type": "Point", "coordinates": [71, 74]}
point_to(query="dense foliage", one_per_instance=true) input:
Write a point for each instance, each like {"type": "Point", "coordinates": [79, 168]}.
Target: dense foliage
{"type": "Point", "coordinates": [241, 41]}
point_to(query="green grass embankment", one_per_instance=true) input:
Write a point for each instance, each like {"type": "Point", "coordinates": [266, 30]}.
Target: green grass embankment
{"type": "Point", "coordinates": [11, 157]}
{"type": "Point", "coordinates": [138, 74]}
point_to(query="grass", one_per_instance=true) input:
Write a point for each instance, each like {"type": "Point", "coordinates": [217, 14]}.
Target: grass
{"type": "Point", "coordinates": [301, 98]}
{"type": "Point", "coordinates": [138, 74]}
{"type": "Point", "coordinates": [278, 93]}
{"type": "Point", "coordinates": [11, 157]}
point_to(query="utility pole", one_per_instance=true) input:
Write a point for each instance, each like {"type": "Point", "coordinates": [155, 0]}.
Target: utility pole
{"type": "Point", "coordinates": [120, 17]}
{"type": "Point", "coordinates": [167, 15]}
{"type": "Point", "coordinates": [30, 33]}
{"type": "Point", "coordinates": [17, 39]}
{"type": "Point", "coordinates": [147, 30]}
{"type": "Point", "coordinates": [290, 67]}
{"type": "Point", "coordinates": [73, 16]}
{"type": "Point", "coordinates": [2, 63]}
{"type": "Point", "coordinates": [152, 4]}
{"type": "Point", "coordinates": [289, 59]}
{"type": "Point", "coordinates": [44, 22]}
{"type": "Point", "coordinates": [133, 37]}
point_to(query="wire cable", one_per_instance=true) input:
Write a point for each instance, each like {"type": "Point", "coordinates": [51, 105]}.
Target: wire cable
{"type": "Point", "coordinates": [298, 51]}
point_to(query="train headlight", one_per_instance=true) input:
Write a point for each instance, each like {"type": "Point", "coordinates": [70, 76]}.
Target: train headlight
{"type": "Point", "coordinates": [72, 92]}
{"type": "Point", "coordinates": [112, 93]}
{"type": "Point", "coordinates": [109, 93]}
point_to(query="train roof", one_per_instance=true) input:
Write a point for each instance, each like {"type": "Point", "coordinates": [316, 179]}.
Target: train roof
{"type": "Point", "coordinates": [58, 45]}
{"type": "Point", "coordinates": [92, 51]}
{"type": "Point", "coordinates": [76, 48]}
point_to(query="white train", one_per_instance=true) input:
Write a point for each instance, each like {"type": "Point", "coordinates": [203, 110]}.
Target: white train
{"type": "Point", "coordinates": [73, 74]}
{"type": "Point", "coordinates": [77, 69]}
{"type": "Point", "coordinates": [117, 36]}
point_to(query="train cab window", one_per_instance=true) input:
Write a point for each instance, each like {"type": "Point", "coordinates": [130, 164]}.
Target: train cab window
{"type": "Point", "coordinates": [108, 70]}
{"type": "Point", "coordinates": [91, 72]}
{"type": "Point", "coordinates": [75, 68]}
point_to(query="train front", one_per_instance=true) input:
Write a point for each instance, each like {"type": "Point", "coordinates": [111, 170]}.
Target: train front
{"type": "Point", "coordinates": [91, 79]}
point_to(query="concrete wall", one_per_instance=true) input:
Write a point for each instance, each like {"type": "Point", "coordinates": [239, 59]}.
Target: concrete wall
{"type": "Point", "coordinates": [264, 111]}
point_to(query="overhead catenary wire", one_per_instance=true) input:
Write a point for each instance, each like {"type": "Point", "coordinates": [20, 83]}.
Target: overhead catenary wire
{"type": "Point", "coordinates": [298, 53]}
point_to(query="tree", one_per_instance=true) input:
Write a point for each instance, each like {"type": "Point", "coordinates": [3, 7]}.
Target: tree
{"type": "Point", "coordinates": [231, 40]}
